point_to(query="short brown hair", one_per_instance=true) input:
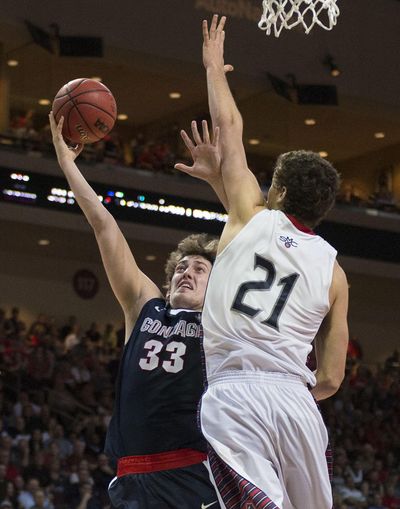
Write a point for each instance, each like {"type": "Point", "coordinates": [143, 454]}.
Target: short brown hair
{"type": "Point", "coordinates": [199, 244]}
{"type": "Point", "coordinates": [311, 184]}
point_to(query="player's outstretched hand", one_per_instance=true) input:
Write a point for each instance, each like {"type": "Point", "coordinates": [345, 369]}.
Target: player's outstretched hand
{"type": "Point", "coordinates": [213, 44]}
{"type": "Point", "coordinates": [62, 150]}
{"type": "Point", "coordinates": [205, 154]}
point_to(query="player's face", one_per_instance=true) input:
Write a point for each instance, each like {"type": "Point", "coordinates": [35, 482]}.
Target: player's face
{"type": "Point", "coordinates": [189, 283]}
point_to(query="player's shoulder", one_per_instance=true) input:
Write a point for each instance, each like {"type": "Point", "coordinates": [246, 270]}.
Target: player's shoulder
{"type": "Point", "coordinates": [339, 275]}
{"type": "Point", "coordinates": [339, 286]}
{"type": "Point", "coordinates": [153, 306]}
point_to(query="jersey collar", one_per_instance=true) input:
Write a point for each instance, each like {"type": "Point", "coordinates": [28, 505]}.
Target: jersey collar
{"type": "Point", "coordinates": [302, 227]}
{"type": "Point", "coordinates": [175, 311]}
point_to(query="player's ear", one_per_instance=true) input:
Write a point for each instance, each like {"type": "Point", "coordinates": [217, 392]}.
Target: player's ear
{"type": "Point", "coordinates": [281, 195]}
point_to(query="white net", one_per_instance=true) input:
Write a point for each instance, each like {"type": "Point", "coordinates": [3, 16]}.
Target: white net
{"type": "Point", "coordinates": [287, 14]}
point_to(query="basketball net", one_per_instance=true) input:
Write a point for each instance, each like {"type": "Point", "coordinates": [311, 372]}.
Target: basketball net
{"type": "Point", "coordinates": [280, 14]}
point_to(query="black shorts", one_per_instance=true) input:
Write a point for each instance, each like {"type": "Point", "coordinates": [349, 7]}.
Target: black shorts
{"type": "Point", "coordinates": [179, 488]}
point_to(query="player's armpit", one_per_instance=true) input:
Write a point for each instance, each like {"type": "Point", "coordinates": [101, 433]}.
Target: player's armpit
{"type": "Point", "coordinates": [332, 340]}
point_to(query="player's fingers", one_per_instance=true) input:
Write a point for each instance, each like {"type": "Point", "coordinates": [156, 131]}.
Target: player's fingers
{"type": "Point", "coordinates": [206, 134]}
{"type": "Point", "coordinates": [196, 134]}
{"type": "Point", "coordinates": [78, 148]}
{"type": "Point", "coordinates": [221, 24]}
{"type": "Point", "coordinates": [228, 68]}
{"type": "Point", "coordinates": [60, 125]}
{"type": "Point", "coordinates": [53, 126]}
{"type": "Point", "coordinates": [213, 27]}
{"type": "Point", "coordinates": [205, 30]}
{"type": "Point", "coordinates": [187, 141]}
{"type": "Point", "coordinates": [216, 137]}
{"type": "Point", "coordinates": [183, 167]}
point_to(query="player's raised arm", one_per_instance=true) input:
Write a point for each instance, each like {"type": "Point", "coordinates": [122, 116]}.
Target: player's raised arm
{"type": "Point", "coordinates": [130, 285]}
{"type": "Point", "coordinates": [243, 192]}
{"type": "Point", "coordinates": [332, 340]}
{"type": "Point", "coordinates": [206, 159]}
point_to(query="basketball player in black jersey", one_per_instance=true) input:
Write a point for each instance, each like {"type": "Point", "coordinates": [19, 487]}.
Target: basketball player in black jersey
{"type": "Point", "coordinates": [153, 438]}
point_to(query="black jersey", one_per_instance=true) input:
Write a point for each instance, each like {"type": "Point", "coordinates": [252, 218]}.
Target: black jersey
{"type": "Point", "coordinates": [159, 385]}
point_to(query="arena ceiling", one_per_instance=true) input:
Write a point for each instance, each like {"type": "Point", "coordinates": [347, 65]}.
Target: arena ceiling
{"type": "Point", "coordinates": [152, 48]}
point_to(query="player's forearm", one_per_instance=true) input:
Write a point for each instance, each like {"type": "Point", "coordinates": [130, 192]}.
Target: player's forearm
{"type": "Point", "coordinates": [219, 190]}
{"type": "Point", "coordinates": [87, 199]}
{"type": "Point", "coordinates": [223, 109]}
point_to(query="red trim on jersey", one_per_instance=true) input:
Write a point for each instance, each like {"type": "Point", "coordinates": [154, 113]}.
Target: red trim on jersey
{"type": "Point", "coordinates": [300, 226]}
{"type": "Point", "coordinates": [157, 462]}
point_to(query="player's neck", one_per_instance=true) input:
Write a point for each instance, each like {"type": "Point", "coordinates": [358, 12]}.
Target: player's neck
{"type": "Point", "coordinates": [299, 224]}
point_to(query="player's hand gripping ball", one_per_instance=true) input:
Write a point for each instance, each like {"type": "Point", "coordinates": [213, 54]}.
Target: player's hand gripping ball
{"type": "Point", "coordinates": [88, 108]}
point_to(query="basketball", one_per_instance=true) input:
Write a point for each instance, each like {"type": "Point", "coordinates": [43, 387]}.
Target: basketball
{"type": "Point", "coordinates": [88, 108]}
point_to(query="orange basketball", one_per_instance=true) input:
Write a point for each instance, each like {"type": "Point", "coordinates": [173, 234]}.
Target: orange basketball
{"type": "Point", "coordinates": [88, 108]}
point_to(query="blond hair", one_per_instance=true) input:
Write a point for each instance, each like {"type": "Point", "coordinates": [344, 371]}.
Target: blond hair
{"type": "Point", "coordinates": [199, 244]}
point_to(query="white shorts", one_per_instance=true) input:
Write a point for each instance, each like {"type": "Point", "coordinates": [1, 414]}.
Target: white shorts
{"type": "Point", "coordinates": [268, 442]}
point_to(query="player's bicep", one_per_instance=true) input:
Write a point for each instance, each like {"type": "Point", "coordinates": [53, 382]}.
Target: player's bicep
{"type": "Point", "coordinates": [130, 285]}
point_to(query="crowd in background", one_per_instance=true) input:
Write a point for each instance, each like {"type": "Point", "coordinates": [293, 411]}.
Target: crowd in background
{"type": "Point", "coordinates": [56, 398]}
{"type": "Point", "coordinates": [31, 133]}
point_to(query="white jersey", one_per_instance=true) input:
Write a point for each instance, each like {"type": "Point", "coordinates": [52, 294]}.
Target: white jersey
{"type": "Point", "coordinates": [267, 296]}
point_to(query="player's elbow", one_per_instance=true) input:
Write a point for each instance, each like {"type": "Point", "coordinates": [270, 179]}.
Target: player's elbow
{"type": "Point", "coordinates": [328, 384]}
{"type": "Point", "coordinates": [101, 222]}
{"type": "Point", "coordinates": [231, 122]}
{"type": "Point", "coordinates": [334, 384]}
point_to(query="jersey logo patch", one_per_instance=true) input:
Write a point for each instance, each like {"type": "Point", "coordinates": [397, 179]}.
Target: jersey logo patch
{"type": "Point", "coordinates": [288, 242]}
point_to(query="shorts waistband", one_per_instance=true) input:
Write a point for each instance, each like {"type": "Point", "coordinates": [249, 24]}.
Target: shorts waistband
{"type": "Point", "coordinates": [157, 462]}
{"type": "Point", "coordinates": [271, 377]}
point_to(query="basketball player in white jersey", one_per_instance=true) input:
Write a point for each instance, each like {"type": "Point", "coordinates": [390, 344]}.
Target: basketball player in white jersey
{"type": "Point", "coordinates": [274, 287]}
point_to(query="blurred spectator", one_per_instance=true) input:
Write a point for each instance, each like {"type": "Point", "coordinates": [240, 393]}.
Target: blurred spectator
{"type": "Point", "coordinates": [67, 328]}
{"type": "Point", "coordinates": [41, 501]}
{"type": "Point", "coordinates": [93, 333]}
{"type": "Point", "coordinates": [377, 502]}
{"type": "Point", "coordinates": [72, 338]}
{"type": "Point", "coordinates": [13, 326]}
{"type": "Point", "coordinates": [3, 482]}
{"type": "Point", "coordinates": [26, 497]}
{"type": "Point", "coordinates": [2, 323]}
{"type": "Point", "coordinates": [350, 493]}
{"type": "Point", "coordinates": [87, 499]}
{"type": "Point", "coordinates": [354, 350]}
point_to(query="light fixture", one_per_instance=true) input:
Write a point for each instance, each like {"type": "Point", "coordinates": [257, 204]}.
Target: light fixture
{"type": "Point", "coordinates": [43, 242]}
{"type": "Point", "coordinates": [175, 95]}
{"type": "Point", "coordinates": [122, 116]}
{"type": "Point", "coordinates": [254, 141]}
{"type": "Point", "coordinates": [310, 121]}
{"type": "Point", "coordinates": [330, 63]}
{"type": "Point", "coordinates": [12, 62]}
{"type": "Point", "coordinates": [323, 153]}
{"type": "Point", "coordinates": [44, 102]}
{"type": "Point", "coordinates": [379, 135]}
{"type": "Point", "coordinates": [151, 258]}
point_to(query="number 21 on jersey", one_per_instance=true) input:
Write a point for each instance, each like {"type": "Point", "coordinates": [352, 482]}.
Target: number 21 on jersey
{"type": "Point", "coordinates": [286, 282]}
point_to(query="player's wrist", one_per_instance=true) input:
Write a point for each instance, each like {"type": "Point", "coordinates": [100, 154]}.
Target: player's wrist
{"type": "Point", "coordinates": [215, 68]}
